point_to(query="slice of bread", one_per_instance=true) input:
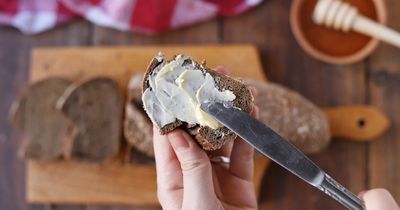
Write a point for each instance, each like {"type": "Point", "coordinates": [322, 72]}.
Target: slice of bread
{"type": "Point", "coordinates": [45, 128]}
{"type": "Point", "coordinates": [95, 108]}
{"type": "Point", "coordinates": [208, 138]}
{"type": "Point", "coordinates": [292, 116]}
{"type": "Point", "coordinates": [137, 125]}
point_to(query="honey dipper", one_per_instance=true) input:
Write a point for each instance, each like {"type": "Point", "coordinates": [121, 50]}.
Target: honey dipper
{"type": "Point", "coordinates": [343, 16]}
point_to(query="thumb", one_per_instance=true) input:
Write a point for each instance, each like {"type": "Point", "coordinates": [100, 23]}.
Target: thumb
{"type": "Point", "coordinates": [379, 199]}
{"type": "Point", "coordinates": [196, 170]}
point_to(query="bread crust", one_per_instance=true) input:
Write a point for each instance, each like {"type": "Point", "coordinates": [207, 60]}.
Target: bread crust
{"type": "Point", "coordinates": [292, 116]}
{"type": "Point", "coordinates": [137, 126]}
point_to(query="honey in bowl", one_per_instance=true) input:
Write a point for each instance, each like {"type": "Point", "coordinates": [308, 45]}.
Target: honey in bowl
{"type": "Point", "coordinates": [330, 41]}
{"type": "Point", "coordinates": [332, 45]}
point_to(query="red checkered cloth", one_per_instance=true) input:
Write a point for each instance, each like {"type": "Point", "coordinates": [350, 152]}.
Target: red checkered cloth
{"type": "Point", "coordinates": [144, 16]}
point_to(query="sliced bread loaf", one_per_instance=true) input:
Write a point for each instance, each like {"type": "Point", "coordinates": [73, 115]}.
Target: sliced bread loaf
{"type": "Point", "coordinates": [292, 116]}
{"type": "Point", "coordinates": [138, 128]}
{"type": "Point", "coordinates": [45, 128]}
{"type": "Point", "coordinates": [173, 91]}
{"type": "Point", "coordinates": [95, 108]}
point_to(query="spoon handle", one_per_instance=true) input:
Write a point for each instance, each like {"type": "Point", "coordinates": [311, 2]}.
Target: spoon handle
{"type": "Point", "coordinates": [341, 15]}
{"type": "Point", "coordinates": [367, 26]}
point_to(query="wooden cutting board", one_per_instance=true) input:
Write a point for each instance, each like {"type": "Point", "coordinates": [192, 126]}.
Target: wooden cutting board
{"type": "Point", "coordinates": [114, 182]}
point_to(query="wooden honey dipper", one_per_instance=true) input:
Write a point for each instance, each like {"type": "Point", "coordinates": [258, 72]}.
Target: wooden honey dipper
{"type": "Point", "coordinates": [343, 16]}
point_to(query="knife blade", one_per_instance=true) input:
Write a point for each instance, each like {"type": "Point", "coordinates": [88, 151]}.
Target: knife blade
{"type": "Point", "coordinates": [272, 145]}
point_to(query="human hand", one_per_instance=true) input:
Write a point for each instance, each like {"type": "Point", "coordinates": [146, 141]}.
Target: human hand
{"type": "Point", "coordinates": [187, 179]}
{"type": "Point", "coordinates": [378, 199]}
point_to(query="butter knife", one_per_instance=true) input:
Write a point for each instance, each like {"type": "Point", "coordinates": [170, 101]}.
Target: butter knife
{"type": "Point", "coordinates": [272, 145]}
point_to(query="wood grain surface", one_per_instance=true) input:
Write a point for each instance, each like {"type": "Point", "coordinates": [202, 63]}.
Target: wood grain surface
{"type": "Point", "coordinates": [75, 182]}
{"type": "Point", "coordinates": [120, 63]}
{"type": "Point", "coordinates": [14, 72]}
{"type": "Point", "coordinates": [373, 81]}
{"type": "Point", "coordinates": [383, 73]}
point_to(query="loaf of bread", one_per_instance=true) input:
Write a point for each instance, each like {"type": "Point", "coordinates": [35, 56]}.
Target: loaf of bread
{"type": "Point", "coordinates": [138, 128]}
{"type": "Point", "coordinates": [173, 91]}
{"type": "Point", "coordinates": [95, 108]}
{"type": "Point", "coordinates": [292, 116]}
{"type": "Point", "coordinates": [46, 131]}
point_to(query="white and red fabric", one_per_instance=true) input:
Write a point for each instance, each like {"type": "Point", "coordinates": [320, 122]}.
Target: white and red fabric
{"type": "Point", "coordinates": [144, 16]}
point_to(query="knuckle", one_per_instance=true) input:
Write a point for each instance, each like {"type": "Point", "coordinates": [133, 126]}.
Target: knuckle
{"type": "Point", "coordinates": [193, 165]}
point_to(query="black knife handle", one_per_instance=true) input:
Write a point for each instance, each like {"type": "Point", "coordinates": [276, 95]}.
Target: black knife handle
{"type": "Point", "coordinates": [341, 194]}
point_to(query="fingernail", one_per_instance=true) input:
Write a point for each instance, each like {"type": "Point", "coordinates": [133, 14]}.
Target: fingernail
{"type": "Point", "coordinates": [253, 90]}
{"type": "Point", "coordinates": [222, 70]}
{"type": "Point", "coordinates": [362, 193]}
{"type": "Point", "coordinates": [178, 140]}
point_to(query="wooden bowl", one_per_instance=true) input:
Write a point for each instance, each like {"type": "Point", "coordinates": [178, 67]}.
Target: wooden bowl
{"type": "Point", "coordinates": [311, 49]}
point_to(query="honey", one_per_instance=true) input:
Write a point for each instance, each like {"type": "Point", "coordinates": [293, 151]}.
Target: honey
{"type": "Point", "coordinates": [330, 41]}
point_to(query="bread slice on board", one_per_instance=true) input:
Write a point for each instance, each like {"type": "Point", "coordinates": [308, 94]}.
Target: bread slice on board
{"type": "Point", "coordinates": [45, 128]}
{"type": "Point", "coordinates": [208, 138]}
{"type": "Point", "coordinates": [95, 108]}
{"type": "Point", "coordinates": [138, 128]}
{"type": "Point", "coordinates": [292, 116]}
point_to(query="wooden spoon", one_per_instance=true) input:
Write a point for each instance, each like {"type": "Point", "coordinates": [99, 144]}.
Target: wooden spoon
{"type": "Point", "coordinates": [357, 122]}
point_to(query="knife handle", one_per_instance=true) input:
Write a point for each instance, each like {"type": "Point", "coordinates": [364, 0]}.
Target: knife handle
{"type": "Point", "coordinates": [341, 194]}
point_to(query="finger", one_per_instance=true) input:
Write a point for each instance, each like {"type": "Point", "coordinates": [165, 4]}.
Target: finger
{"type": "Point", "coordinates": [169, 182]}
{"type": "Point", "coordinates": [255, 112]}
{"type": "Point", "coordinates": [379, 199]}
{"type": "Point", "coordinates": [361, 194]}
{"type": "Point", "coordinates": [222, 70]}
{"type": "Point", "coordinates": [253, 90]}
{"type": "Point", "coordinates": [196, 169]}
{"type": "Point", "coordinates": [216, 182]}
{"type": "Point", "coordinates": [242, 156]}
{"type": "Point", "coordinates": [225, 150]}
{"type": "Point", "coordinates": [242, 161]}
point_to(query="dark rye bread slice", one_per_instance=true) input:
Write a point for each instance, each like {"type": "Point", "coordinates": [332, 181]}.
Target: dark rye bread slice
{"type": "Point", "coordinates": [292, 116]}
{"type": "Point", "coordinates": [137, 125]}
{"type": "Point", "coordinates": [95, 107]}
{"type": "Point", "coordinates": [208, 138]}
{"type": "Point", "coordinates": [45, 128]}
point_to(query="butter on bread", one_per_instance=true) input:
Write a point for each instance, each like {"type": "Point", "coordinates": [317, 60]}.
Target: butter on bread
{"type": "Point", "coordinates": [173, 91]}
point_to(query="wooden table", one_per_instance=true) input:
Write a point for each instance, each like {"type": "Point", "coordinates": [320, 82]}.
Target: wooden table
{"type": "Point", "coordinates": [375, 81]}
